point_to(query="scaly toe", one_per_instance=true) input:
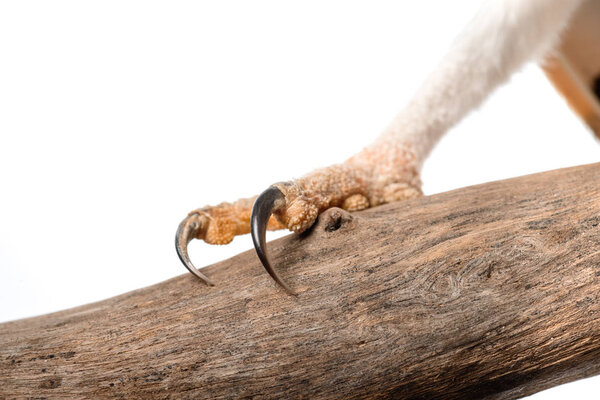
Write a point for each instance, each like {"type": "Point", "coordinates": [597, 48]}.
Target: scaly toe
{"type": "Point", "coordinates": [220, 231]}
{"type": "Point", "coordinates": [356, 202]}
{"type": "Point", "coordinates": [400, 191]}
{"type": "Point", "coordinates": [298, 212]}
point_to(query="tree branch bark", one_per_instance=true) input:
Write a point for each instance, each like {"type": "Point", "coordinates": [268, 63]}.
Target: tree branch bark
{"type": "Point", "coordinates": [491, 291]}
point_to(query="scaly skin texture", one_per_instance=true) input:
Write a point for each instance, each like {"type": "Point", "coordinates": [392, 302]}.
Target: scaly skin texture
{"type": "Point", "coordinates": [221, 223]}
{"type": "Point", "coordinates": [383, 172]}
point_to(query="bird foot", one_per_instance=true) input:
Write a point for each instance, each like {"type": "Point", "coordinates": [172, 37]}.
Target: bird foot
{"type": "Point", "coordinates": [375, 176]}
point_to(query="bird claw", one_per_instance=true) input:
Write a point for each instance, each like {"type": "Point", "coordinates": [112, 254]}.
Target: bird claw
{"type": "Point", "coordinates": [267, 202]}
{"type": "Point", "coordinates": [187, 230]}
{"type": "Point", "coordinates": [195, 226]}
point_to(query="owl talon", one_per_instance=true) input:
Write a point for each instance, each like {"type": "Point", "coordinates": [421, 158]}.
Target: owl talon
{"type": "Point", "coordinates": [187, 230]}
{"type": "Point", "coordinates": [267, 202]}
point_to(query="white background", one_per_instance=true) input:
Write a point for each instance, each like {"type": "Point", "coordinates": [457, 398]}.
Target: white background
{"type": "Point", "coordinates": [119, 117]}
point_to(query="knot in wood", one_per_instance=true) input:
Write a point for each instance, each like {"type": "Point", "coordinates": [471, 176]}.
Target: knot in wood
{"type": "Point", "coordinates": [333, 219]}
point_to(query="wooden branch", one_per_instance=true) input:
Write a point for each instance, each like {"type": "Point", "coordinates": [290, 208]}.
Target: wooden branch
{"type": "Point", "coordinates": [491, 291]}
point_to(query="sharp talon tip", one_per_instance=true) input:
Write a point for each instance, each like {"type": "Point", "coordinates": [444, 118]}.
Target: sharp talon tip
{"type": "Point", "coordinates": [261, 212]}
{"type": "Point", "coordinates": [185, 233]}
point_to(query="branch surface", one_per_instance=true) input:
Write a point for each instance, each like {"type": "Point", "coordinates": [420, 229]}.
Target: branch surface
{"type": "Point", "coordinates": [490, 291]}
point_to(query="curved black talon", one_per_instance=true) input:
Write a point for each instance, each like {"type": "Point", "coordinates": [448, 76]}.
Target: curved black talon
{"type": "Point", "coordinates": [185, 233]}
{"type": "Point", "coordinates": [270, 199]}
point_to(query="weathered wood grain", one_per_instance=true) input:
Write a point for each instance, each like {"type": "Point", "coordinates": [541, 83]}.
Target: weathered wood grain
{"type": "Point", "coordinates": [491, 291]}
